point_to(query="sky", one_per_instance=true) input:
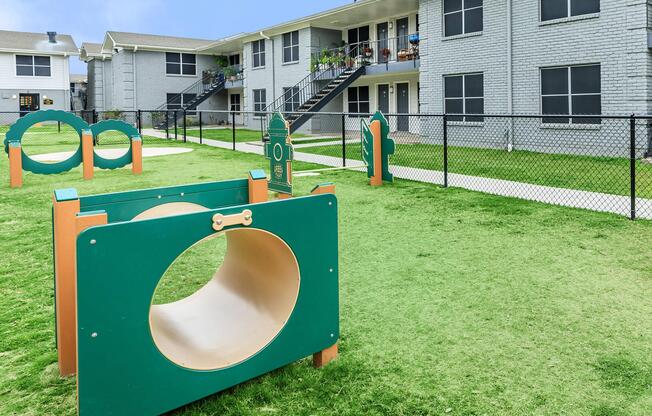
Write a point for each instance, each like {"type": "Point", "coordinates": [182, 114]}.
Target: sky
{"type": "Point", "coordinates": [88, 20]}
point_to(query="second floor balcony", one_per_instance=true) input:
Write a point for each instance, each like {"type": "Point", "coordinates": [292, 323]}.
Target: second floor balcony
{"type": "Point", "coordinates": [397, 54]}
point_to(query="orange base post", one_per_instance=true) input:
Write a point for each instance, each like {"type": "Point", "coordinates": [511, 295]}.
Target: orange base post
{"type": "Point", "coordinates": [377, 179]}
{"type": "Point", "coordinates": [15, 165]}
{"type": "Point", "coordinates": [87, 154]}
{"type": "Point", "coordinates": [137, 155]}
{"type": "Point", "coordinates": [324, 357]}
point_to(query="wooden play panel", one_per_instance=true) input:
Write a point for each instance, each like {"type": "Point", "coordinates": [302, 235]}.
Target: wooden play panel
{"type": "Point", "coordinates": [239, 311]}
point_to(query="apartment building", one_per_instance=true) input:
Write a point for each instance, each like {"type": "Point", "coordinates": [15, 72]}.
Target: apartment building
{"type": "Point", "coordinates": [561, 57]}
{"type": "Point", "coordinates": [78, 88]}
{"type": "Point", "coordinates": [131, 71]}
{"type": "Point", "coordinates": [34, 71]}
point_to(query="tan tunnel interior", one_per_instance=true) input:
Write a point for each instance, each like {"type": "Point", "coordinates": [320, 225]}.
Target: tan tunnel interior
{"type": "Point", "coordinates": [238, 312]}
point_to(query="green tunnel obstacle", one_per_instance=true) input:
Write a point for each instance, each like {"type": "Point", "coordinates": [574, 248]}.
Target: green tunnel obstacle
{"type": "Point", "coordinates": [273, 301]}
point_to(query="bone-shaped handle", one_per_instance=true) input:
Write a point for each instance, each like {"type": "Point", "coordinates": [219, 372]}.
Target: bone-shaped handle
{"type": "Point", "coordinates": [220, 221]}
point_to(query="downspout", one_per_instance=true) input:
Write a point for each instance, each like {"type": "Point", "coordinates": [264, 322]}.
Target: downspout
{"type": "Point", "coordinates": [273, 67]}
{"type": "Point", "coordinates": [510, 83]}
{"type": "Point", "coordinates": [133, 70]}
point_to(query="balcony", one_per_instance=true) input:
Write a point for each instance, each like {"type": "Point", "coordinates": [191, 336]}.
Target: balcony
{"type": "Point", "coordinates": [233, 76]}
{"type": "Point", "coordinates": [392, 55]}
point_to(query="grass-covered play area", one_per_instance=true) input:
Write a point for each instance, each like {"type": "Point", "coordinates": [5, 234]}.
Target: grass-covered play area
{"type": "Point", "coordinates": [451, 302]}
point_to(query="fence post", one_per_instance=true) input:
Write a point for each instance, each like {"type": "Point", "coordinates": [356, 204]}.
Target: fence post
{"type": "Point", "coordinates": [343, 140]}
{"type": "Point", "coordinates": [58, 126]}
{"type": "Point", "coordinates": [176, 127]}
{"type": "Point", "coordinates": [139, 120]}
{"type": "Point", "coordinates": [233, 128]}
{"type": "Point", "coordinates": [184, 125]}
{"type": "Point", "coordinates": [632, 166]}
{"type": "Point", "coordinates": [445, 150]}
{"type": "Point", "coordinates": [167, 125]}
{"type": "Point", "coordinates": [201, 131]}
{"type": "Point", "coordinates": [262, 130]}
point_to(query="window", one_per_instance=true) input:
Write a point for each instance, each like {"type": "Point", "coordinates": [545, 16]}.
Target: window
{"type": "Point", "coordinates": [234, 60]}
{"type": "Point", "coordinates": [258, 48]}
{"type": "Point", "coordinates": [180, 64]}
{"type": "Point", "coordinates": [291, 47]}
{"type": "Point", "coordinates": [464, 94]}
{"type": "Point", "coordinates": [571, 90]}
{"type": "Point", "coordinates": [260, 102]}
{"type": "Point", "coordinates": [291, 99]}
{"type": "Point", "coordinates": [179, 101]}
{"type": "Point", "coordinates": [462, 16]}
{"type": "Point", "coordinates": [33, 66]}
{"type": "Point", "coordinates": [359, 100]}
{"type": "Point", "coordinates": [235, 103]}
{"type": "Point", "coordinates": [558, 9]}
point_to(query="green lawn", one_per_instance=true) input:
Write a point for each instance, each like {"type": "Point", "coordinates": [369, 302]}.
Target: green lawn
{"type": "Point", "coordinates": [598, 174]}
{"type": "Point", "coordinates": [226, 134]}
{"type": "Point", "coordinates": [452, 302]}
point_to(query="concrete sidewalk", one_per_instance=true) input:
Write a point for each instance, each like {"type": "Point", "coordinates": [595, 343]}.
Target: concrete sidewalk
{"type": "Point", "coordinates": [594, 201]}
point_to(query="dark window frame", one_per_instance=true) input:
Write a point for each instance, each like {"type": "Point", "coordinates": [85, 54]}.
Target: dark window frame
{"type": "Point", "coordinates": [186, 66]}
{"type": "Point", "coordinates": [258, 51]}
{"type": "Point", "coordinates": [34, 66]}
{"type": "Point", "coordinates": [292, 48]}
{"type": "Point", "coordinates": [569, 118]}
{"type": "Point", "coordinates": [465, 98]}
{"type": "Point", "coordinates": [358, 106]}
{"type": "Point", "coordinates": [235, 107]}
{"type": "Point", "coordinates": [462, 11]}
{"type": "Point", "coordinates": [260, 101]}
{"type": "Point", "coordinates": [292, 100]}
{"type": "Point", "coordinates": [569, 11]}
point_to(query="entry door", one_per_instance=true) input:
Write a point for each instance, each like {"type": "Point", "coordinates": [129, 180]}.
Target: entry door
{"type": "Point", "coordinates": [382, 34]}
{"type": "Point", "coordinates": [403, 106]}
{"type": "Point", "coordinates": [383, 98]}
{"type": "Point", "coordinates": [402, 33]}
{"type": "Point", "coordinates": [28, 103]}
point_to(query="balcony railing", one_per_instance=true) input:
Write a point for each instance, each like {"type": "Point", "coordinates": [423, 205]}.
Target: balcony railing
{"type": "Point", "coordinates": [384, 51]}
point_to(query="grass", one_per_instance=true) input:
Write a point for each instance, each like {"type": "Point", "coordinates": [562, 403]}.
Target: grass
{"type": "Point", "coordinates": [226, 134]}
{"type": "Point", "coordinates": [452, 302]}
{"type": "Point", "coordinates": [598, 174]}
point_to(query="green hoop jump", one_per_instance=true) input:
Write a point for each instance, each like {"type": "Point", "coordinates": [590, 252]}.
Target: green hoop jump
{"type": "Point", "coordinates": [16, 132]}
{"type": "Point", "coordinates": [119, 126]}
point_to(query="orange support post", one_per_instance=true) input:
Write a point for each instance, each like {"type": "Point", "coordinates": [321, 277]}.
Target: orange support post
{"type": "Point", "coordinates": [136, 155]}
{"type": "Point", "coordinates": [376, 131]}
{"type": "Point", "coordinates": [258, 187]}
{"type": "Point", "coordinates": [87, 154]}
{"type": "Point", "coordinates": [67, 226]}
{"type": "Point", "coordinates": [66, 207]}
{"type": "Point", "coordinates": [15, 165]}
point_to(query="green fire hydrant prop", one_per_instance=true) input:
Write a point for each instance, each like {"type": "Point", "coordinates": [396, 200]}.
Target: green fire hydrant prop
{"type": "Point", "coordinates": [280, 153]}
{"type": "Point", "coordinates": [377, 146]}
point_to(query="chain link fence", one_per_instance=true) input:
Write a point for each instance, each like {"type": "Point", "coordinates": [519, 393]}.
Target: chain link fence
{"type": "Point", "coordinates": [601, 163]}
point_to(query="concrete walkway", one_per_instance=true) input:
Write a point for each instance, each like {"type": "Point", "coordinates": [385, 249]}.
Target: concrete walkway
{"type": "Point", "coordinates": [594, 201]}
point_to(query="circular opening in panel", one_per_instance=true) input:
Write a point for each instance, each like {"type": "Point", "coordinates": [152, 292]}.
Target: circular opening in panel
{"type": "Point", "coordinates": [244, 305]}
{"type": "Point", "coordinates": [112, 144]}
{"type": "Point", "coordinates": [50, 142]}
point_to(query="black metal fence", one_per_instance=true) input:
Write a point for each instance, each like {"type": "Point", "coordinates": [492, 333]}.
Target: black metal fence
{"type": "Point", "coordinates": [601, 163]}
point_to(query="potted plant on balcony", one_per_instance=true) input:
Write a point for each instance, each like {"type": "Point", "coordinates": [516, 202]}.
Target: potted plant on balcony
{"type": "Point", "coordinates": [230, 73]}
{"type": "Point", "coordinates": [386, 53]}
{"type": "Point", "coordinates": [221, 61]}
{"type": "Point", "coordinates": [368, 52]}
{"type": "Point", "coordinates": [349, 62]}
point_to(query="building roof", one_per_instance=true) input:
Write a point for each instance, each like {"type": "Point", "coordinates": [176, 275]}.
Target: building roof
{"type": "Point", "coordinates": [78, 78]}
{"type": "Point", "coordinates": [89, 51]}
{"type": "Point", "coordinates": [152, 42]}
{"type": "Point", "coordinates": [37, 43]}
{"type": "Point", "coordinates": [337, 18]}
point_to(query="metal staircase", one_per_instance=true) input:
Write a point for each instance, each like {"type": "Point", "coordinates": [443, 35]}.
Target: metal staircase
{"type": "Point", "coordinates": [211, 83]}
{"type": "Point", "coordinates": [310, 95]}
